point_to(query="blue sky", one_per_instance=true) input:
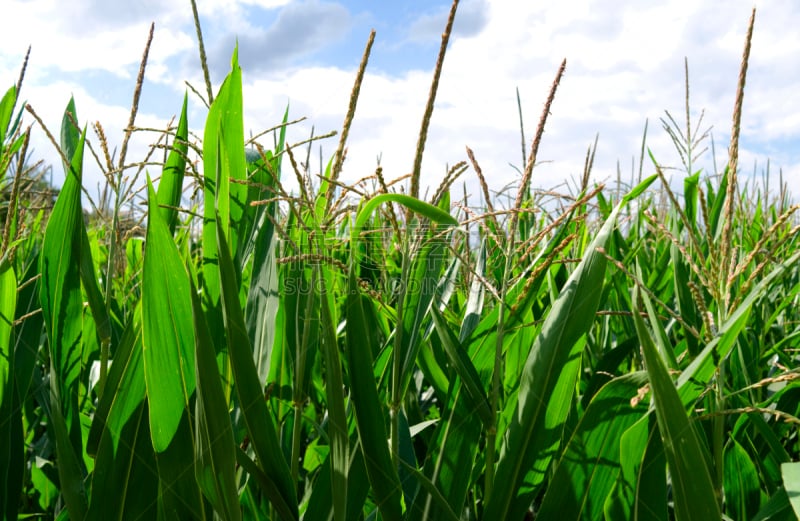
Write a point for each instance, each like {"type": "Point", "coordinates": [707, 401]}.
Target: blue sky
{"type": "Point", "coordinates": [625, 66]}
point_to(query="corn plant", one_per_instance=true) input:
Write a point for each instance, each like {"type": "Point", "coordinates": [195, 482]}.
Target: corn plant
{"type": "Point", "coordinates": [351, 351]}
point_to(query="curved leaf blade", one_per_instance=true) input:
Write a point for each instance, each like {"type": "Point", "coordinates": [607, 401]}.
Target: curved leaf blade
{"type": "Point", "coordinates": [693, 490]}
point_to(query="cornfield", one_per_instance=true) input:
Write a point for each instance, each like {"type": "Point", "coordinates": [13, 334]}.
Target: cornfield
{"type": "Point", "coordinates": [232, 349]}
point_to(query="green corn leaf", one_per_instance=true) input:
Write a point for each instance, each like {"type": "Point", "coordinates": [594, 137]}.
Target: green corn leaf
{"type": "Point", "coordinates": [791, 482]}
{"type": "Point", "coordinates": [369, 414]}
{"type": "Point", "coordinates": [450, 464]}
{"type": "Point", "coordinates": [640, 491]}
{"type": "Point", "coordinates": [420, 290]}
{"type": "Point", "coordinates": [169, 367]}
{"type": "Point", "coordinates": [62, 309]}
{"type": "Point", "coordinates": [97, 303]}
{"type": "Point", "coordinates": [690, 197]}
{"type": "Point", "coordinates": [585, 475]}
{"type": "Point", "coordinates": [168, 336]}
{"type": "Point", "coordinates": [472, 315]}
{"type": "Point", "coordinates": [70, 133]}
{"type": "Point", "coordinates": [171, 184]}
{"type": "Point", "coordinates": [693, 490]}
{"type": "Point", "coordinates": [693, 380]}
{"type": "Point", "coordinates": [777, 508]}
{"type": "Point", "coordinates": [433, 213]}
{"type": "Point", "coordinates": [223, 162]}
{"type": "Point", "coordinates": [27, 333]}
{"type": "Point", "coordinates": [321, 504]}
{"type": "Point", "coordinates": [62, 304]}
{"type": "Point", "coordinates": [8, 305]}
{"type": "Point", "coordinates": [686, 304]}
{"type": "Point", "coordinates": [459, 360]}
{"type": "Point", "coordinates": [548, 381]}
{"type": "Point", "coordinates": [444, 510]}
{"type": "Point", "coordinates": [215, 450]}
{"type": "Point", "coordinates": [740, 482]}
{"type": "Point", "coordinates": [125, 464]}
{"type": "Point", "coordinates": [125, 384]}
{"type": "Point", "coordinates": [274, 474]}
{"type": "Point", "coordinates": [6, 113]}
{"type": "Point", "coordinates": [339, 459]}
{"type": "Point", "coordinates": [262, 297]}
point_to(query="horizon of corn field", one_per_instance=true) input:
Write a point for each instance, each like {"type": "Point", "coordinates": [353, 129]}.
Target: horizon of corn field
{"type": "Point", "coordinates": [234, 350]}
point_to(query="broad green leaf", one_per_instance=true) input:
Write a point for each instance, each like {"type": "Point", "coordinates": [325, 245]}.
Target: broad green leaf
{"type": "Point", "coordinates": [272, 470]}
{"type": "Point", "coordinates": [686, 304]}
{"type": "Point", "coordinates": [169, 367]}
{"type": "Point", "coordinates": [690, 197]}
{"type": "Point", "coordinates": [27, 333]}
{"type": "Point", "coordinates": [422, 286]}
{"type": "Point", "coordinates": [97, 303]}
{"type": "Point", "coordinates": [168, 336]}
{"type": "Point", "coordinates": [548, 381]}
{"type": "Point", "coordinates": [215, 450]}
{"type": "Point", "coordinates": [585, 474]}
{"type": "Point", "coordinates": [444, 511]}
{"type": "Point", "coordinates": [693, 490]}
{"type": "Point", "coordinates": [125, 384]}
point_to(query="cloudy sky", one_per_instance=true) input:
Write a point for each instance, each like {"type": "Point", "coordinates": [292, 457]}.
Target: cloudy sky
{"type": "Point", "coordinates": [625, 66]}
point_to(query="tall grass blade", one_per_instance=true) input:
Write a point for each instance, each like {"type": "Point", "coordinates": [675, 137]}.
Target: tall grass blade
{"type": "Point", "coordinates": [693, 490]}
{"type": "Point", "coordinates": [6, 113]}
{"type": "Point", "coordinates": [472, 314]}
